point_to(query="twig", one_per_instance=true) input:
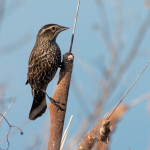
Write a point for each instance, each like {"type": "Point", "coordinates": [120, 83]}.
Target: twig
{"type": "Point", "coordinates": [22, 125]}
{"type": "Point", "coordinates": [65, 133]}
{"type": "Point", "coordinates": [108, 117]}
{"type": "Point", "coordinates": [7, 109]}
{"type": "Point", "coordinates": [74, 27]}
{"type": "Point", "coordinates": [10, 126]}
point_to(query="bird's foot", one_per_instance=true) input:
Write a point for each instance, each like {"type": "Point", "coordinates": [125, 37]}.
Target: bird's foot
{"type": "Point", "coordinates": [55, 102]}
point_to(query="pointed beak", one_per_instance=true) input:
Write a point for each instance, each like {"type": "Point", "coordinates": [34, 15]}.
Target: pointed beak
{"type": "Point", "coordinates": [63, 28]}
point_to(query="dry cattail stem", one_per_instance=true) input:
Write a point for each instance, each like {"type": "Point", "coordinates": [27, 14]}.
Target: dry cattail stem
{"type": "Point", "coordinates": [115, 118]}
{"type": "Point", "coordinates": [57, 116]}
{"type": "Point", "coordinates": [100, 132]}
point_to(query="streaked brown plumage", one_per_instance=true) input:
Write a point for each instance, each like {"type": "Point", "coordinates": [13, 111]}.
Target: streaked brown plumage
{"type": "Point", "coordinates": [44, 61]}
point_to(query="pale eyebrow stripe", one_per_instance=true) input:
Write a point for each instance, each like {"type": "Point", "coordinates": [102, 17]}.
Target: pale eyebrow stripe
{"type": "Point", "coordinates": [46, 29]}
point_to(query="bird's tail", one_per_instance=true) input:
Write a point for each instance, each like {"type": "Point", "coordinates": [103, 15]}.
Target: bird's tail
{"type": "Point", "coordinates": [39, 104]}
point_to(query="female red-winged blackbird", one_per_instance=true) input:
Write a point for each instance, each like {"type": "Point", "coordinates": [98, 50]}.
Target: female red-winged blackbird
{"type": "Point", "coordinates": [44, 61]}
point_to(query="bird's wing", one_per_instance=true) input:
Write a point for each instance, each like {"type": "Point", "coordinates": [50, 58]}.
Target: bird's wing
{"type": "Point", "coordinates": [31, 66]}
{"type": "Point", "coordinates": [35, 63]}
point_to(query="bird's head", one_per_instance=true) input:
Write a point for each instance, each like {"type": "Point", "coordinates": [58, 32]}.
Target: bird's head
{"type": "Point", "coordinates": [50, 31]}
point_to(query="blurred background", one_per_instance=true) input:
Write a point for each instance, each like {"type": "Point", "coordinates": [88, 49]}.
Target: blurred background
{"type": "Point", "coordinates": [111, 47]}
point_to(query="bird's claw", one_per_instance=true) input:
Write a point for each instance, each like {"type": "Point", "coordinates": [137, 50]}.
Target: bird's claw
{"type": "Point", "coordinates": [55, 102]}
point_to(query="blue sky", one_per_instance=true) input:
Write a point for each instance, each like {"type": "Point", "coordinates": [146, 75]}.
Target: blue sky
{"type": "Point", "coordinates": [23, 19]}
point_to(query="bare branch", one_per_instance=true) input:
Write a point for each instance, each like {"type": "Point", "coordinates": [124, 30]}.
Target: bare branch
{"type": "Point", "coordinates": [10, 126]}
{"type": "Point", "coordinates": [7, 109]}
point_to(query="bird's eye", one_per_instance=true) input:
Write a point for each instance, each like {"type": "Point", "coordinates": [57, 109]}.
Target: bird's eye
{"type": "Point", "coordinates": [53, 28]}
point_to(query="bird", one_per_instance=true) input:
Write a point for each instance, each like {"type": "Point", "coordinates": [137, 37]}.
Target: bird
{"type": "Point", "coordinates": [43, 63]}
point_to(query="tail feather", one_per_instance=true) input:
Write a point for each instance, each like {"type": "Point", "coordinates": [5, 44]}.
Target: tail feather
{"type": "Point", "coordinates": [39, 104]}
